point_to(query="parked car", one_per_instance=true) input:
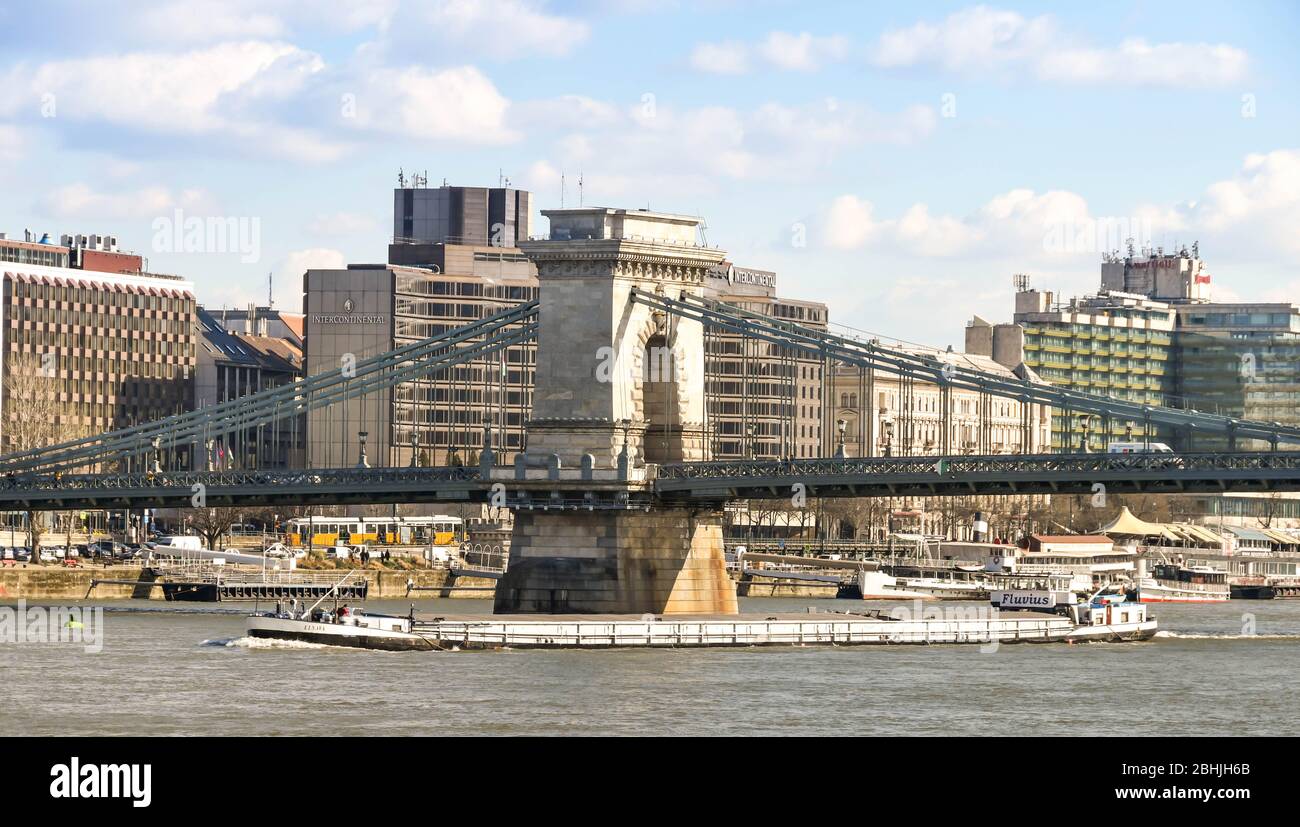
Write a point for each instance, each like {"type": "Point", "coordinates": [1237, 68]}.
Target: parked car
{"type": "Point", "coordinates": [47, 556]}
{"type": "Point", "coordinates": [22, 554]}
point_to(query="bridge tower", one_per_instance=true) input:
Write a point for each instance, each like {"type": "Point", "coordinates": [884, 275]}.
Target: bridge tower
{"type": "Point", "coordinates": [619, 388]}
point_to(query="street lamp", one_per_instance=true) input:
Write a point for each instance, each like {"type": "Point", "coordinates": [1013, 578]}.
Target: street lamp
{"type": "Point", "coordinates": [887, 426]}
{"type": "Point", "coordinates": [1085, 420]}
{"type": "Point", "coordinates": [415, 448]}
{"type": "Point", "coordinates": [841, 425]}
{"type": "Point", "coordinates": [362, 462]}
{"type": "Point", "coordinates": [749, 440]}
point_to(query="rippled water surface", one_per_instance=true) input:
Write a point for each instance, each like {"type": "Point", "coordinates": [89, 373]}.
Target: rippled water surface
{"type": "Point", "coordinates": [164, 672]}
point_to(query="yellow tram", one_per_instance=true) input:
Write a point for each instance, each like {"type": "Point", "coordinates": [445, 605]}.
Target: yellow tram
{"type": "Point", "coordinates": [439, 530]}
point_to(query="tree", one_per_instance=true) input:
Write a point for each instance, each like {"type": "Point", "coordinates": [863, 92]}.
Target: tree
{"type": "Point", "coordinates": [214, 523]}
{"type": "Point", "coordinates": [33, 417]}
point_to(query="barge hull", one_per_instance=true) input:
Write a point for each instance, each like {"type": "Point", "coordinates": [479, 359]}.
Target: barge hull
{"type": "Point", "coordinates": [799, 630]}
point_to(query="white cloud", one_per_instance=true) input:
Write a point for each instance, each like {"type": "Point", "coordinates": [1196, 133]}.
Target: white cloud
{"type": "Point", "coordinates": [729, 58]}
{"type": "Point", "coordinates": [458, 104]}
{"type": "Point", "coordinates": [313, 258]}
{"type": "Point", "coordinates": [235, 93]}
{"type": "Point", "coordinates": [207, 20]}
{"type": "Point", "coordinates": [660, 150]}
{"type": "Point", "coordinates": [981, 39]}
{"type": "Point", "coordinates": [342, 223]}
{"type": "Point", "coordinates": [944, 267]}
{"type": "Point", "coordinates": [288, 275]}
{"type": "Point", "coordinates": [1159, 64]}
{"type": "Point", "coordinates": [81, 201]}
{"type": "Point", "coordinates": [501, 29]}
{"type": "Point", "coordinates": [564, 112]}
{"type": "Point", "coordinates": [1258, 208]}
{"type": "Point", "coordinates": [801, 52]}
{"type": "Point", "coordinates": [172, 92]}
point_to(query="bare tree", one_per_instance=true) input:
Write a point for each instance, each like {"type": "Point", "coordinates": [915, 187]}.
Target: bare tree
{"type": "Point", "coordinates": [34, 417]}
{"type": "Point", "coordinates": [214, 523]}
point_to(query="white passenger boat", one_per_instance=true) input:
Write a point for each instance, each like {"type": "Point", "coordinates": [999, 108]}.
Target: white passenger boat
{"type": "Point", "coordinates": [1177, 583]}
{"type": "Point", "coordinates": [877, 585]}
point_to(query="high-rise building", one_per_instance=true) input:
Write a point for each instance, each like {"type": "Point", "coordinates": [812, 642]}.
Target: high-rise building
{"type": "Point", "coordinates": [482, 216]}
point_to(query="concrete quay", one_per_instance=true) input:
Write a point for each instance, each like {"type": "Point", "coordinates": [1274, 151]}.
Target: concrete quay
{"type": "Point", "coordinates": [34, 582]}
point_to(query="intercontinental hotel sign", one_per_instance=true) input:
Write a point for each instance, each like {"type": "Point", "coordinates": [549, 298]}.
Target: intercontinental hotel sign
{"type": "Point", "coordinates": [349, 317]}
{"type": "Point", "coordinates": [743, 275]}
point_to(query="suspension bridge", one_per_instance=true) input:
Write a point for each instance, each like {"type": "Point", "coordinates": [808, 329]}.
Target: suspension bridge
{"type": "Point", "coordinates": [618, 505]}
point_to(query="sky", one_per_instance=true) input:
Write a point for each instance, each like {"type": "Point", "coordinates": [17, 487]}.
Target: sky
{"type": "Point", "coordinates": [900, 162]}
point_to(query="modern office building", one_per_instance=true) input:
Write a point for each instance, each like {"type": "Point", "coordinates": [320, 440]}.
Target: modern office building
{"type": "Point", "coordinates": [1240, 360]}
{"type": "Point", "coordinates": [83, 352]}
{"type": "Point", "coordinates": [367, 309]}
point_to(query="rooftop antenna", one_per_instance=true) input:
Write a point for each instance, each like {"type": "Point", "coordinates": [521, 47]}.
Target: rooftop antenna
{"type": "Point", "coordinates": [561, 190]}
{"type": "Point", "coordinates": [500, 177]}
{"type": "Point", "coordinates": [270, 280]}
{"type": "Point", "coordinates": [1021, 281]}
{"type": "Point", "coordinates": [703, 228]}
{"type": "Point", "coordinates": [580, 189]}
{"type": "Point", "coordinates": [401, 179]}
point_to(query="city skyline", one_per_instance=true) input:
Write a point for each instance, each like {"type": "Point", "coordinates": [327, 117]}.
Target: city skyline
{"type": "Point", "coordinates": [899, 166]}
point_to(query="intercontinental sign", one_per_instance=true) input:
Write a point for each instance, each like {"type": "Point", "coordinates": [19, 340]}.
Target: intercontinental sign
{"type": "Point", "coordinates": [743, 275]}
{"type": "Point", "coordinates": [348, 317]}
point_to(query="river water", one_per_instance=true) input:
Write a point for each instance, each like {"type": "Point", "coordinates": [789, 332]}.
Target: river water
{"type": "Point", "coordinates": [168, 672]}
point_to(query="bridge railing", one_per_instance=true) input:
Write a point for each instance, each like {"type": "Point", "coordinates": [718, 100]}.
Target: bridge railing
{"type": "Point", "coordinates": [930, 368]}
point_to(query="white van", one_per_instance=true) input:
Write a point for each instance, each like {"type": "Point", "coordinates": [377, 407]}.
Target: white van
{"type": "Point", "coordinates": [187, 542]}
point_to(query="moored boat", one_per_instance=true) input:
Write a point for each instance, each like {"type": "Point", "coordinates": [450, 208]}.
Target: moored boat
{"type": "Point", "coordinates": [1178, 583]}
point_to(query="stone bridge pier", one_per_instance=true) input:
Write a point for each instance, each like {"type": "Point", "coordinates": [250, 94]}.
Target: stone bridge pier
{"type": "Point", "coordinates": [618, 389]}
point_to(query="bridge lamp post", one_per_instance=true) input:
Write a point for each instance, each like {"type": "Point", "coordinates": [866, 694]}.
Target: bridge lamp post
{"type": "Point", "coordinates": [362, 462]}
{"type": "Point", "coordinates": [749, 440]}
{"type": "Point", "coordinates": [1085, 421]}
{"type": "Point", "coordinates": [841, 425]}
{"type": "Point", "coordinates": [887, 426]}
